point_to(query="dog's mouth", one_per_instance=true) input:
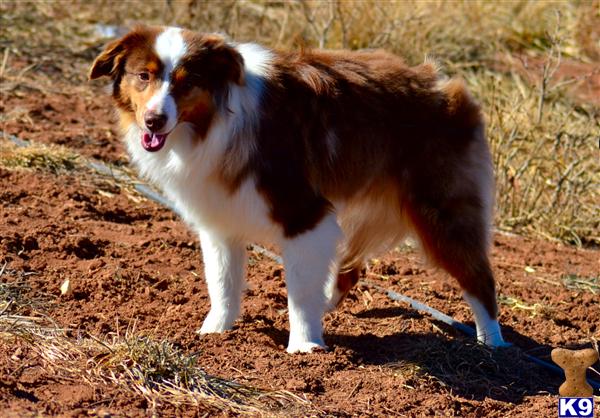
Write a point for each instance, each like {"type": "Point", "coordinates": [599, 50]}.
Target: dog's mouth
{"type": "Point", "coordinates": [153, 142]}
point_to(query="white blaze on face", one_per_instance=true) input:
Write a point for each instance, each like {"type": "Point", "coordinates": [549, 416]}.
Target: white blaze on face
{"type": "Point", "coordinates": [170, 47]}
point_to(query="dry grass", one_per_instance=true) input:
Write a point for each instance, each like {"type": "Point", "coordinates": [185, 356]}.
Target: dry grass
{"type": "Point", "coordinates": [518, 305]}
{"type": "Point", "coordinates": [158, 371]}
{"type": "Point", "coordinates": [582, 284]}
{"type": "Point", "coordinates": [53, 158]}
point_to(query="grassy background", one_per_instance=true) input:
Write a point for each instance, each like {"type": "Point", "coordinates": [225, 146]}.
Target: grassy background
{"type": "Point", "coordinates": [528, 62]}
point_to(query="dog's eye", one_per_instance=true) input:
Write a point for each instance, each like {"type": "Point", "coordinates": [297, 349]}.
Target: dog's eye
{"type": "Point", "coordinates": [145, 77]}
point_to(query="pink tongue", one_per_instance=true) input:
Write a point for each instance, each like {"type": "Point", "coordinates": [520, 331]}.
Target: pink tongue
{"type": "Point", "coordinates": [153, 142]}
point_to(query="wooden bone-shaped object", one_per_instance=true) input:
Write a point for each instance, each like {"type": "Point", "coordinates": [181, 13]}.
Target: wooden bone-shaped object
{"type": "Point", "coordinates": [575, 363]}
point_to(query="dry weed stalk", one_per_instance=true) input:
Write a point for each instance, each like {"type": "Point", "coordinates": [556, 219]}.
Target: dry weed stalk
{"type": "Point", "coordinates": [516, 304]}
{"type": "Point", "coordinates": [589, 284]}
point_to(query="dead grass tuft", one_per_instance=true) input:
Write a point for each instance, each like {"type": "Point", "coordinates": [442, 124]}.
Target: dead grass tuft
{"type": "Point", "coordinates": [53, 158]}
{"type": "Point", "coordinates": [162, 373]}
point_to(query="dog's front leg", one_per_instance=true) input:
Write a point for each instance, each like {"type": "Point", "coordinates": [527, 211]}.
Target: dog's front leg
{"type": "Point", "coordinates": [308, 259]}
{"type": "Point", "coordinates": [224, 265]}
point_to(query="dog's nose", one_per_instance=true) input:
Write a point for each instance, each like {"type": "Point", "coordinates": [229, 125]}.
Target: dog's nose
{"type": "Point", "coordinates": [155, 121]}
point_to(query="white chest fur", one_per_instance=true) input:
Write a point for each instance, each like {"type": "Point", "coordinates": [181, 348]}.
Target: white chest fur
{"type": "Point", "coordinates": [184, 171]}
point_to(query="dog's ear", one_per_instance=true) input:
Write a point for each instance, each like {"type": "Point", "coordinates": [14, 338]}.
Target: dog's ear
{"type": "Point", "coordinates": [108, 62]}
{"type": "Point", "coordinates": [228, 61]}
{"type": "Point", "coordinates": [219, 61]}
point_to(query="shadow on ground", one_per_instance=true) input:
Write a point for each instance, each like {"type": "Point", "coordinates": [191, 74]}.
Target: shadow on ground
{"type": "Point", "coordinates": [458, 365]}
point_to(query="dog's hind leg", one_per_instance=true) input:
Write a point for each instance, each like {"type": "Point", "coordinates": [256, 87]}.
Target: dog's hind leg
{"type": "Point", "coordinates": [454, 234]}
{"type": "Point", "coordinates": [309, 259]}
{"type": "Point", "coordinates": [224, 264]}
{"type": "Point", "coordinates": [341, 283]}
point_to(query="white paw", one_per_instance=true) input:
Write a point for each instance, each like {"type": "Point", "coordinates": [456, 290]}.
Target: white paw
{"type": "Point", "coordinates": [306, 347]}
{"type": "Point", "coordinates": [497, 343]}
{"type": "Point", "coordinates": [493, 340]}
{"type": "Point", "coordinates": [216, 322]}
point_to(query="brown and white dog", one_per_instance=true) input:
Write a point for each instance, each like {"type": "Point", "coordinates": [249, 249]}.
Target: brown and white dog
{"type": "Point", "coordinates": [332, 155]}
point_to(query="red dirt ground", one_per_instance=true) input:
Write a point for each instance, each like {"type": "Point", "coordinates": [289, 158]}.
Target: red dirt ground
{"type": "Point", "coordinates": [130, 261]}
{"type": "Point", "coordinates": [136, 262]}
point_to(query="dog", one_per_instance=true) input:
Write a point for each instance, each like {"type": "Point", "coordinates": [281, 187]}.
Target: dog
{"type": "Point", "coordinates": [331, 155]}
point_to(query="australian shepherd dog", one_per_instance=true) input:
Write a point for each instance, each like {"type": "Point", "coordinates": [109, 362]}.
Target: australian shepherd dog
{"type": "Point", "coordinates": [332, 156]}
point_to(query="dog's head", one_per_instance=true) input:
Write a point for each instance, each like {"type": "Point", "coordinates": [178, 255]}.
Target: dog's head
{"type": "Point", "coordinates": [163, 76]}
